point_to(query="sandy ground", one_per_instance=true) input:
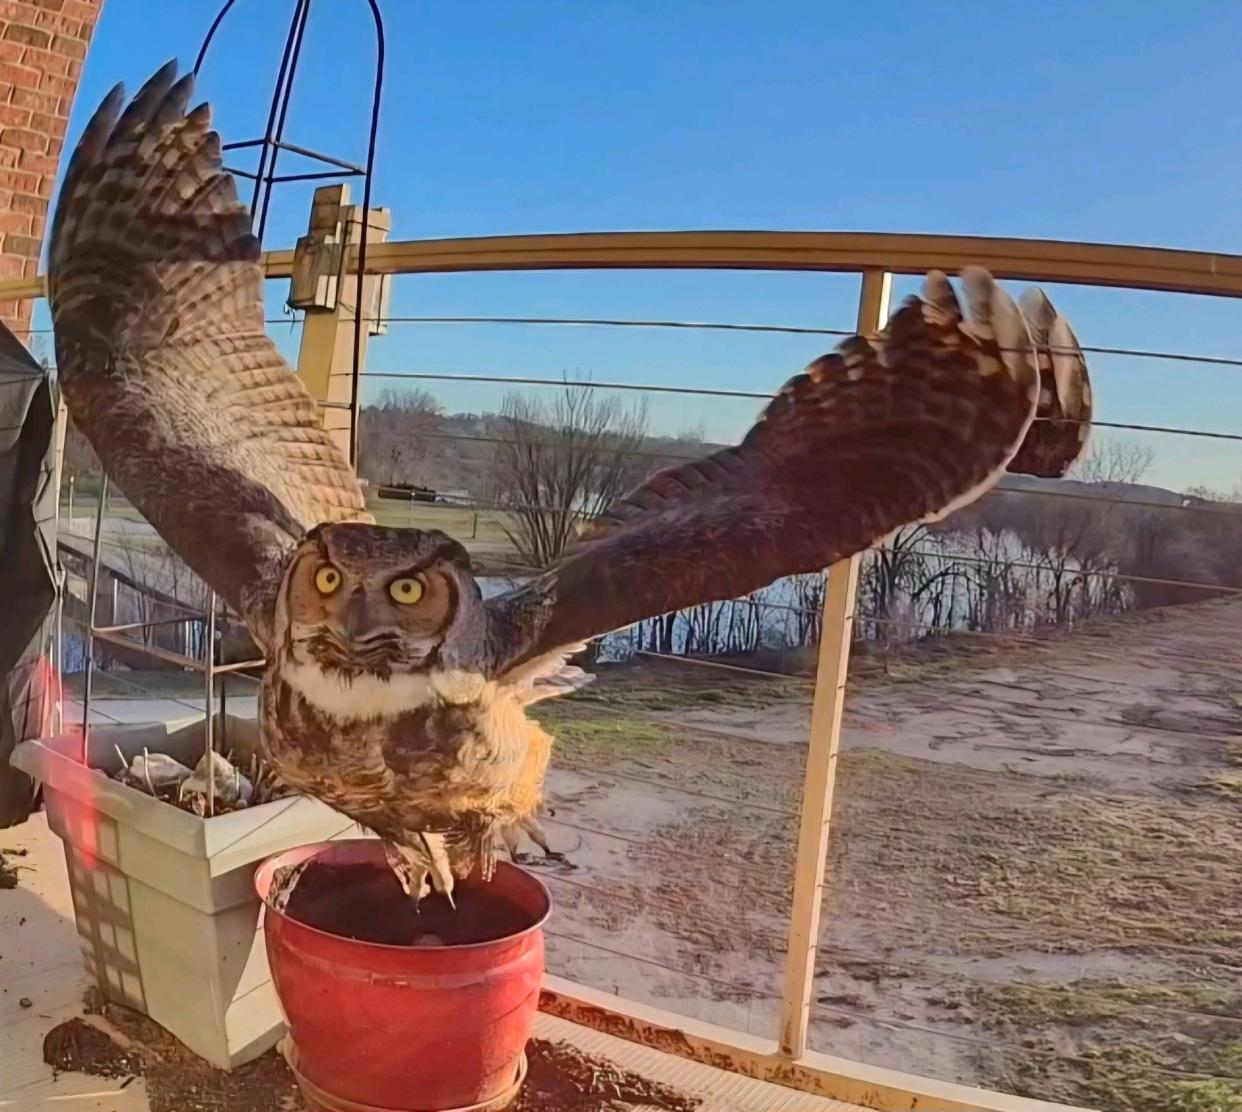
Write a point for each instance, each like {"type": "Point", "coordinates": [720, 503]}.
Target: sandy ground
{"type": "Point", "coordinates": [1036, 866]}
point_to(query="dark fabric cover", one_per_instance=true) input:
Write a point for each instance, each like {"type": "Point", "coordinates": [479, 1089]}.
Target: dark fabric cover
{"type": "Point", "coordinates": [28, 498]}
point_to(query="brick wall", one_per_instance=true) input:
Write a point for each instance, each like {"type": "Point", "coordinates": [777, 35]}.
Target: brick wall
{"type": "Point", "coordinates": [42, 45]}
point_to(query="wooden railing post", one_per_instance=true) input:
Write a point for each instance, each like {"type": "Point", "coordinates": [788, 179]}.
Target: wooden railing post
{"type": "Point", "coordinates": [836, 629]}
{"type": "Point", "coordinates": [325, 289]}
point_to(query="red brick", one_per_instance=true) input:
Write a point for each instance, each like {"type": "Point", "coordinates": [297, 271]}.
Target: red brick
{"type": "Point", "coordinates": [70, 46]}
{"type": "Point", "coordinates": [20, 181]}
{"type": "Point", "coordinates": [84, 10]}
{"type": "Point", "coordinates": [38, 163]}
{"type": "Point", "coordinates": [54, 83]}
{"type": "Point", "coordinates": [61, 25]}
{"type": "Point", "coordinates": [21, 245]}
{"type": "Point", "coordinates": [9, 156]}
{"type": "Point", "coordinates": [45, 124]}
{"type": "Point", "coordinates": [26, 202]}
{"type": "Point", "coordinates": [24, 138]}
{"type": "Point", "coordinates": [16, 222]}
{"type": "Point", "coordinates": [28, 36]}
{"type": "Point", "coordinates": [73, 68]}
{"type": "Point", "coordinates": [11, 116]}
{"type": "Point", "coordinates": [30, 98]}
{"type": "Point", "coordinates": [24, 76]}
{"type": "Point", "coordinates": [11, 268]}
{"type": "Point", "coordinates": [50, 5]}
{"type": "Point", "coordinates": [11, 51]}
{"type": "Point", "coordinates": [19, 11]}
{"type": "Point", "coordinates": [44, 188]}
{"type": "Point", "coordinates": [44, 60]}
{"type": "Point", "coordinates": [30, 267]}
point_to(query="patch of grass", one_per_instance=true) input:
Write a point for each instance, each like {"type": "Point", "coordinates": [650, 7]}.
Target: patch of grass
{"type": "Point", "coordinates": [1227, 783]}
{"type": "Point", "coordinates": [1223, 1058]}
{"type": "Point", "coordinates": [1233, 753]}
{"type": "Point", "coordinates": [1133, 1078]}
{"type": "Point", "coordinates": [469, 526]}
{"type": "Point", "coordinates": [1092, 1001]}
{"type": "Point", "coordinates": [668, 688]}
{"type": "Point", "coordinates": [597, 739]}
{"type": "Point", "coordinates": [669, 700]}
{"type": "Point", "coordinates": [1101, 1044]}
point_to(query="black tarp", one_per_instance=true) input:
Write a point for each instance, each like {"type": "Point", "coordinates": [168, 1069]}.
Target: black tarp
{"type": "Point", "coordinates": [28, 498]}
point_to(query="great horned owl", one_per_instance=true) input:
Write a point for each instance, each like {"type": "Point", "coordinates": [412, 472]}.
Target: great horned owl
{"type": "Point", "coordinates": [392, 690]}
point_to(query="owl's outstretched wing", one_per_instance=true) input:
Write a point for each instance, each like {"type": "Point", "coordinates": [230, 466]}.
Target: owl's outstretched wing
{"type": "Point", "coordinates": [1063, 416]}
{"type": "Point", "coordinates": [157, 303]}
{"type": "Point", "coordinates": [878, 435]}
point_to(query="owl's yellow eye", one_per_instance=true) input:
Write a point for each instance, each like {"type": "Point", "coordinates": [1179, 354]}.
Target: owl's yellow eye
{"type": "Point", "coordinates": [327, 579]}
{"type": "Point", "coordinates": [406, 591]}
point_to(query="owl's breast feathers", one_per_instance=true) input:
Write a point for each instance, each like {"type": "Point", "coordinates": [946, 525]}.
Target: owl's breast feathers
{"type": "Point", "coordinates": [446, 751]}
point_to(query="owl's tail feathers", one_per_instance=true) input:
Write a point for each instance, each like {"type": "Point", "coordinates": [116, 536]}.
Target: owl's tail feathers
{"type": "Point", "coordinates": [547, 676]}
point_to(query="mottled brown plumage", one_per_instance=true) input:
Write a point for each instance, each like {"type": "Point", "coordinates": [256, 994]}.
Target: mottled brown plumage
{"type": "Point", "coordinates": [157, 300]}
{"type": "Point", "coordinates": [393, 691]}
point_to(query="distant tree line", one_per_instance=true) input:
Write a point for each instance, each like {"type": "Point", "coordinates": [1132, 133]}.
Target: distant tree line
{"type": "Point", "coordinates": [1030, 554]}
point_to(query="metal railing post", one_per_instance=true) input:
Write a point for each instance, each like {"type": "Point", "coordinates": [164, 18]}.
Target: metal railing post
{"type": "Point", "coordinates": [836, 629]}
{"type": "Point", "coordinates": [209, 673]}
{"type": "Point", "coordinates": [91, 608]}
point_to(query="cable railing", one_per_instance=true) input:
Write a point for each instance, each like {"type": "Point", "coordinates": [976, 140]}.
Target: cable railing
{"type": "Point", "coordinates": [802, 884]}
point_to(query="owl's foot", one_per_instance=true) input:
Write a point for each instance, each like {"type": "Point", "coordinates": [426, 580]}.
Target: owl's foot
{"type": "Point", "coordinates": [284, 880]}
{"type": "Point", "coordinates": [511, 835]}
{"type": "Point", "coordinates": [422, 867]}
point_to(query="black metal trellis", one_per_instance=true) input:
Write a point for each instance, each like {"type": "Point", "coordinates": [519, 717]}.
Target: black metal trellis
{"type": "Point", "coordinates": [273, 141]}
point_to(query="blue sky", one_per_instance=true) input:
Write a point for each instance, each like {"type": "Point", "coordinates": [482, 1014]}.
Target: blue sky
{"type": "Point", "coordinates": [1104, 121]}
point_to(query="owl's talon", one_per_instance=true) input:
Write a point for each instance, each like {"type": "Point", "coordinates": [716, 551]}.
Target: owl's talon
{"type": "Point", "coordinates": [413, 876]}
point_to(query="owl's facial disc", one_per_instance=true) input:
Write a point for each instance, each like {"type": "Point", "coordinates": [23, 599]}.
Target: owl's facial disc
{"type": "Point", "coordinates": [353, 618]}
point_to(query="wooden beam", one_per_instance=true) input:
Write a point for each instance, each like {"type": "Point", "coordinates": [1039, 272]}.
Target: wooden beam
{"type": "Point", "coordinates": [844, 252]}
{"type": "Point", "coordinates": [819, 776]}
{"type": "Point", "coordinates": [1034, 260]}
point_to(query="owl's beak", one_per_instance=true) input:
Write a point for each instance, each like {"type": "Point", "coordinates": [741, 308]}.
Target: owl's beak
{"type": "Point", "coordinates": [357, 617]}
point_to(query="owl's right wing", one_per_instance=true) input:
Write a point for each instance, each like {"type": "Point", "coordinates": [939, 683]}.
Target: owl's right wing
{"type": "Point", "coordinates": [883, 433]}
{"type": "Point", "coordinates": [1063, 417]}
{"type": "Point", "coordinates": [157, 303]}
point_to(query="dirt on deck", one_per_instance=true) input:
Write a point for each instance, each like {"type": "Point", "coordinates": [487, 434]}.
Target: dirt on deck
{"type": "Point", "coordinates": [120, 1043]}
{"type": "Point", "coordinates": [1036, 856]}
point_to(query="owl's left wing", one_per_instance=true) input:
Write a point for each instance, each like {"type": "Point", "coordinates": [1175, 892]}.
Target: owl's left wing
{"type": "Point", "coordinates": [878, 435]}
{"type": "Point", "coordinates": [156, 294]}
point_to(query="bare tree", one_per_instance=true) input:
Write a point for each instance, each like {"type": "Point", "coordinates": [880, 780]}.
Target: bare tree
{"type": "Point", "coordinates": [561, 461]}
{"type": "Point", "coordinates": [1115, 461]}
{"type": "Point", "coordinates": [397, 436]}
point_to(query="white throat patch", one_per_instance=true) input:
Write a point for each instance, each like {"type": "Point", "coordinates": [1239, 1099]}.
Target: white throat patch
{"type": "Point", "coordinates": [360, 697]}
{"type": "Point", "coordinates": [368, 697]}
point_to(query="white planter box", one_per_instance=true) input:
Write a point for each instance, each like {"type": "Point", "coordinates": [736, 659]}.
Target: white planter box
{"type": "Point", "coordinates": [166, 912]}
